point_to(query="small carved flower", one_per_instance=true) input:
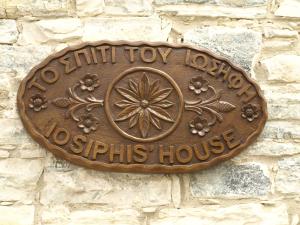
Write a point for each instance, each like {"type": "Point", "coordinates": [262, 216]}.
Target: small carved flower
{"type": "Point", "coordinates": [198, 85]}
{"type": "Point", "coordinates": [250, 112]}
{"type": "Point", "coordinates": [89, 82]}
{"type": "Point", "coordinates": [88, 123]}
{"type": "Point", "coordinates": [199, 126]}
{"type": "Point", "coordinates": [38, 102]}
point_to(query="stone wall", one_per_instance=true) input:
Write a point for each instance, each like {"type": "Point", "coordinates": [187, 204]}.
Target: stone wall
{"type": "Point", "coordinates": [261, 186]}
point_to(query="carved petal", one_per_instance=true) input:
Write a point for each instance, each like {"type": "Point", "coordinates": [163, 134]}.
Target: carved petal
{"type": "Point", "coordinates": [160, 95]}
{"type": "Point", "coordinates": [128, 112]}
{"type": "Point", "coordinates": [144, 122]}
{"type": "Point", "coordinates": [133, 86]}
{"type": "Point", "coordinates": [133, 120]}
{"type": "Point", "coordinates": [160, 113]}
{"type": "Point", "coordinates": [144, 87]}
{"type": "Point", "coordinates": [154, 87]}
{"type": "Point", "coordinates": [126, 93]}
{"type": "Point", "coordinates": [164, 104]}
{"type": "Point", "coordinates": [155, 121]}
{"type": "Point", "coordinates": [124, 103]}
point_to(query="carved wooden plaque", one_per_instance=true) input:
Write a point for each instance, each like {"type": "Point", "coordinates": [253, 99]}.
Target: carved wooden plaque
{"type": "Point", "coordinates": [141, 107]}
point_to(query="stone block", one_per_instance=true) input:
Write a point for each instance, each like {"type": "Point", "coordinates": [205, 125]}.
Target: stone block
{"type": "Point", "coordinates": [283, 67]}
{"type": "Point", "coordinates": [19, 178]}
{"type": "Point", "coordinates": [288, 8]}
{"type": "Point", "coordinates": [240, 45]}
{"type": "Point", "coordinates": [17, 215]}
{"type": "Point", "coordinates": [89, 8]}
{"type": "Point", "coordinates": [133, 7]}
{"type": "Point", "coordinates": [131, 29]}
{"type": "Point", "coordinates": [64, 216]}
{"type": "Point", "coordinates": [8, 31]}
{"type": "Point", "coordinates": [81, 185]}
{"type": "Point", "coordinates": [229, 180]}
{"type": "Point", "coordinates": [251, 213]}
{"type": "Point", "coordinates": [287, 180]}
{"type": "Point", "coordinates": [51, 30]}
{"type": "Point", "coordinates": [19, 8]}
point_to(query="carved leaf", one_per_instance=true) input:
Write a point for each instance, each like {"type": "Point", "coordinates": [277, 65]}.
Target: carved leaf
{"type": "Point", "coordinates": [133, 86]}
{"type": "Point", "coordinates": [154, 87]}
{"type": "Point", "coordinates": [61, 102]}
{"type": "Point", "coordinates": [160, 113]}
{"type": "Point", "coordinates": [224, 106]}
{"type": "Point", "coordinates": [128, 112]}
{"type": "Point", "coordinates": [144, 122]}
{"type": "Point", "coordinates": [155, 121]}
{"type": "Point", "coordinates": [133, 120]}
{"type": "Point", "coordinates": [164, 104]}
{"type": "Point", "coordinates": [126, 93]}
{"type": "Point", "coordinates": [144, 87]}
{"type": "Point", "coordinates": [161, 95]}
{"type": "Point", "coordinates": [124, 103]}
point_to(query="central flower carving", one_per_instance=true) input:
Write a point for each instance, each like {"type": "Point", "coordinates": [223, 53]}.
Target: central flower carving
{"type": "Point", "coordinates": [144, 103]}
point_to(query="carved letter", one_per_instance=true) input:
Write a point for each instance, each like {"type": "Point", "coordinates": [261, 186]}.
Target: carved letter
{"type": "Point", "coordinates": [131, 53]}
{"type": "Point", "coordinates": [152, 53]}
{"type": "Point", "coordinates": [229, 138]}
{"type": "Point", "coordinates": [86, 56]}
{"type": "Point", "coordinates": [53, 73]}
{"type": "Point", "coordinates": [165, 54]}
{"type": "Point", "coordinates": [99, 148]}
{"type": "Point", "coordinates": [113, 152]}
{"type": "Point", "coordinates": [216, 142]}
{"type": "Point", "coordinates": [61, 136]}
{"type": "Point", "coordinates": [140, 153]}
{"type": "Point", "coordinates": [166, 154]}
{"type": "Point", "coordinates": [187, 151]}
{"type": "Point", "coordinates": [33, 83]}
{"type": "Point", "coordinates": [78, 141]}
{"type": "Point", "coordinates": [64, 61]}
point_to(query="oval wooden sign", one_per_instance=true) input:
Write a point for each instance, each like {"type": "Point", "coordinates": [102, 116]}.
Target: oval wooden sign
{"type": "Point", "coordinates": [141, 107]}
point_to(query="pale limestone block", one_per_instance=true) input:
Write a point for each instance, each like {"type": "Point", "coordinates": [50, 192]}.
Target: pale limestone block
{"type": "Point", "coordinates": [269, 147]}
{"type": "Point", "coordinates": [50, 31]}
{"type": "Point", "coordinates": [19, 178]}
{"type": "Point", "coordinates": [283, 68]}
{"type": "Point", "coordinates": [17, 215]}
{"type": "Point", "coordinates": [131, 29]}
{"type": "Point", "coordinates": [251, 213]}
{"type": "Point", "coordinates": [281, 131]}
{"type": "Point", "coordinates": [212, 11]}
{"type": "Point", "coordinates": [280, 33]}
{"type": "Point", "coordinates": [22, 58]}
{"type": "Point", "coordinates": [287, 179]}
{"type": "Point", "coordinates": [81, 185]}
{"type": "Point", "coordinates": [18, 8]}
{"type": "Point", "coordinates": [62, 215]}
{"type": "Point", "coordinates": [238, 44]}
{"type": "Point", "coordinates": [288, 8]}
{"type": "Point", "coordinates": [8, 31]}
{"type": "Point", "coordinates": [132, 7]}
{"type": "Point", "coordinates": [89, 8]}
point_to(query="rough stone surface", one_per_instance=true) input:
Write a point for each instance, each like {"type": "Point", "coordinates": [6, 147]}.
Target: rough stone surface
{"type": "Point", "coordinates": [133, 7]}
{"type": "Point", "coordinates": [220, 215]}
{"type": "Point", "coordinates": [236, 3]}
{"type": "Point", "coordinates": [18, 179]}
{"type": "Point", "coordinates": [281, 131]}
{"type": "Point", "coordinates": [239, 45]}
{"type": "Point", "coordinates": [8, 31]}
{"type": "Point", "coordinates": [288, 176]}
{"type": "Point", "coordinates": [271, 148]}
{"type": "Point", "coordinates": [231, 180]}
{"type": "Point", "coordinates": [64, 216]}
{"type": "Point", "coordinates": [52, 30]}
{"type": "Point", "coordinates": [89, 8]}
{"type": "Point", "coordinates": [17, 215]}
{"type": "Point", "coordinates": [212, 11]}
{"type": "Point", "coordinates": [289, 8]}
{"type": "Point", "coordinates": [147, 29]}
{"type": "Point", "coordinates": [111, 189]}
{"type": "Point", "coordinates": [283, 68]}
{"type": "Point", "coordinates": [21, 59]}
{"type": "Point", "coordinates": [18, 8]}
